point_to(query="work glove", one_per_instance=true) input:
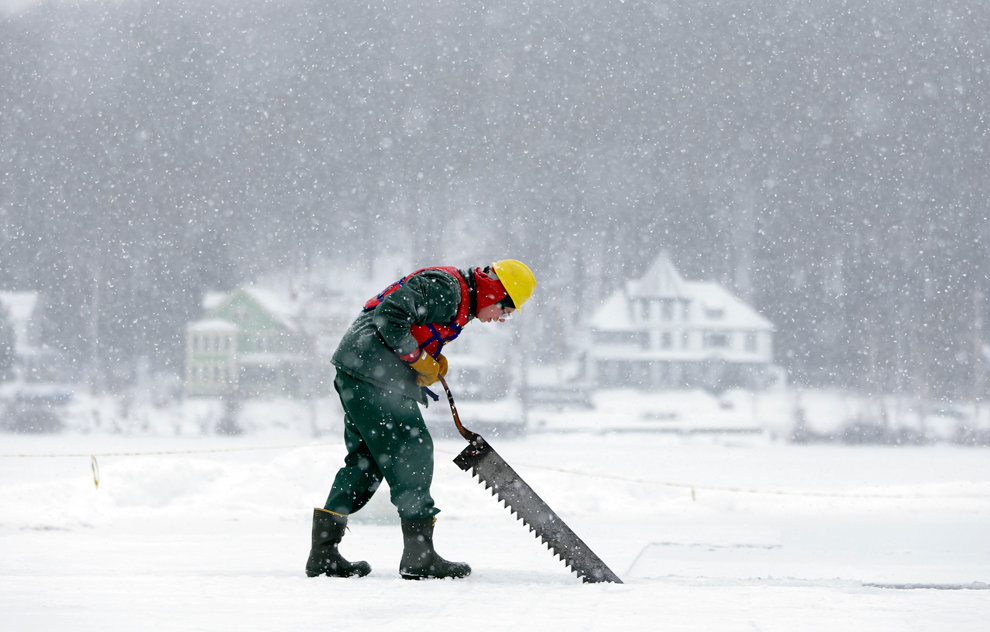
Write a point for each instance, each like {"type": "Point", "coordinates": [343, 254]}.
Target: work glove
{"type": "Point", "coordinates": [429, 370]}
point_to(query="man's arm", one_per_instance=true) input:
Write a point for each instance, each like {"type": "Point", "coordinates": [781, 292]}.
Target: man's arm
{"type": "Point", "coordinates": [432, 296]}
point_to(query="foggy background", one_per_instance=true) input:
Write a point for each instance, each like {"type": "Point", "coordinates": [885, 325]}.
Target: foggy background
{"type": "Point", "coordinates": [826, 160]}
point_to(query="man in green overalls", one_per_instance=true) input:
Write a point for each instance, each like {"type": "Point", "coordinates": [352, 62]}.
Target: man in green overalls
{"type": "Point", "coordinates": [384, 362]}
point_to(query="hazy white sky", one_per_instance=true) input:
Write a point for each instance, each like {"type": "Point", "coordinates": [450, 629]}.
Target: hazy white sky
{"type": "Point", "coordinates": [10, 6]}
{"type": "Point", "coordinates": [13, 5]}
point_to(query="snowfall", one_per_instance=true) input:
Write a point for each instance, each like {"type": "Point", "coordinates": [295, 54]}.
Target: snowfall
{"type": "Point", "coordinates": [158, 526]}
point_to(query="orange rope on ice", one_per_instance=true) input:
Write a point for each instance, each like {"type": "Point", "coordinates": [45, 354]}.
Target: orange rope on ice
{"type": "Point", "coordinates": [167, 452]}
{"type": "Point", "coordinates": [743, 490]}
{"type": "Point", "coordinates": [692, 488]}
{"type": "Point", "coordinates": [94, 464]}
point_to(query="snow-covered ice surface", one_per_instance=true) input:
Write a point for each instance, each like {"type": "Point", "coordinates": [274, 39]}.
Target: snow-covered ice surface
{"type": "Point", "coordinates": [708, 534]}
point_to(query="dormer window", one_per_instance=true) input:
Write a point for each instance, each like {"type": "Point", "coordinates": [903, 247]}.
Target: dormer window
{"type": "Point", "coordinates": [714, 313]}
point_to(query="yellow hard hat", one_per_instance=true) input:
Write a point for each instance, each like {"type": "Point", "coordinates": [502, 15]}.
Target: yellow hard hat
{"type": "Point", "coordinates": [516, 278]}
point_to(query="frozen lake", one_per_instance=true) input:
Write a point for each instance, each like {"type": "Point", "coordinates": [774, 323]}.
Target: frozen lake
{"type": "Point", "coordinates": [708, 534]}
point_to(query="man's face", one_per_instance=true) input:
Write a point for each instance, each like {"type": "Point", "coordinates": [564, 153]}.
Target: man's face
{"type": "Point", "coordinates": [495, 313]}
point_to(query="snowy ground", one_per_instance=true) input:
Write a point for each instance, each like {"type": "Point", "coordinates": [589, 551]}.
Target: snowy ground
{"type": "Point", "coordinates": [708, 533]}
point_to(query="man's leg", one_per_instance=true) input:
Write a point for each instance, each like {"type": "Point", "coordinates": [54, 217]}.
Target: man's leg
{"type": "Point", "coordinates": [359, 478]}
{"type": "Point", "coordinates": [394, 438]}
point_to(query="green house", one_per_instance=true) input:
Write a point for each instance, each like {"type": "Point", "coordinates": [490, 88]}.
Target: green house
{"type": "Point", "coordinates": [248, 343]}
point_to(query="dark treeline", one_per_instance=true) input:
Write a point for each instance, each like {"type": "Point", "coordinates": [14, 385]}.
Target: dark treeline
{"type": "Point", "coordinates": [826, 159]}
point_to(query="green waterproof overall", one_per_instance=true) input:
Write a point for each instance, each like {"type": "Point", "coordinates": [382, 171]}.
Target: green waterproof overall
{"type": "Point", "coordinates": [384, 431]}
{"type": "Point", "coordinates": [386, 438]}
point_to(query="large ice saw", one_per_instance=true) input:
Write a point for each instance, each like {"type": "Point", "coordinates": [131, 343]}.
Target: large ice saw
{"type": "Point", "coordinates": [481, 460]}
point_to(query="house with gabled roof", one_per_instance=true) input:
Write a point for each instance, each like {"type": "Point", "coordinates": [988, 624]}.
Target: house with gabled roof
{"type": "Point", "coordinates": [275, 336]}
{"type": "Point", "coordinates": [662, 331]}
{"type": "Point", "coordinates": [248, 342]}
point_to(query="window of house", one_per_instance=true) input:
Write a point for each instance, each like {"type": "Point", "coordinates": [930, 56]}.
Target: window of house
{"type": "Point", "coordinates": [663, 373]}
{"type": "Point", "coordinates": [667, 310]}
{"type": "Point", "coordinates": [716, 340]}
{"type": "Point", "coordinates": [614, 373]}
{"type": "Point", "coordinates": [604, 372]}
{"type": "Point", "coordinates": [638, 338]}
{"type": "Point", "coordinates": [666, 340]}
{"type": "Point", "coordinates": [714, 313]}
{"type": "Point", "coordinates": [644, 309]}
{"type": "Point", "coordinates": [750, 342]}
{"type": "Point", "coordinates": [642, 374]}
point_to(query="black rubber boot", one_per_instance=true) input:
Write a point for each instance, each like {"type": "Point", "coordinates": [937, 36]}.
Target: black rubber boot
{"type": "Point", "coordinates": [324, 559]}
{"type": "Point", "coordinates": [419, 559]}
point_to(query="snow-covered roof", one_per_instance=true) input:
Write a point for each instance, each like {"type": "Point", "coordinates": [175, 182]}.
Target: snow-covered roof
{"type": "Point", "coordinates": [19, 305]}
{"type": "Point", "coordinates": [213, 299]}
{"type": "Point", "coordinates": [661, 280]}
{"type": "Point", "coordinates": [278, 304]}
{"type": "Point", "coordinates": [614, 314]}
{"type": "Point", "coordinates": [712, 305]}
{"type": "Point", "coordinates": [717, 305]}
{"type": "Point", "coordinates": [212, 324]}
{"type": "Point", "coordinates": [322, 300]}
{"type": "Point", "coordinates": [266, 358]}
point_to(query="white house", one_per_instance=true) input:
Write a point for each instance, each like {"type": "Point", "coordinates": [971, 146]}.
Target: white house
{"type": "Point", "coordinates": [660, 331]}
{"type": "Point", "coordinates": [35, 361]}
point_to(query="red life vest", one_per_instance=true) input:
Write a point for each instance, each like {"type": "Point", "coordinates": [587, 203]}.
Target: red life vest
{"type": "Point", "coordinates": [432, 337]}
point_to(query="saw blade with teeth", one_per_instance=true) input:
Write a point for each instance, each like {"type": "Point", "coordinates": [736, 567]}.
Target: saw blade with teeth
{"type": "Point", "coordinates": [481, 460]}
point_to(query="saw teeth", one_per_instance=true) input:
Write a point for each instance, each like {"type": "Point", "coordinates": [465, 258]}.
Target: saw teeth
{"type": "Point", "coordinates": [559, 533]}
